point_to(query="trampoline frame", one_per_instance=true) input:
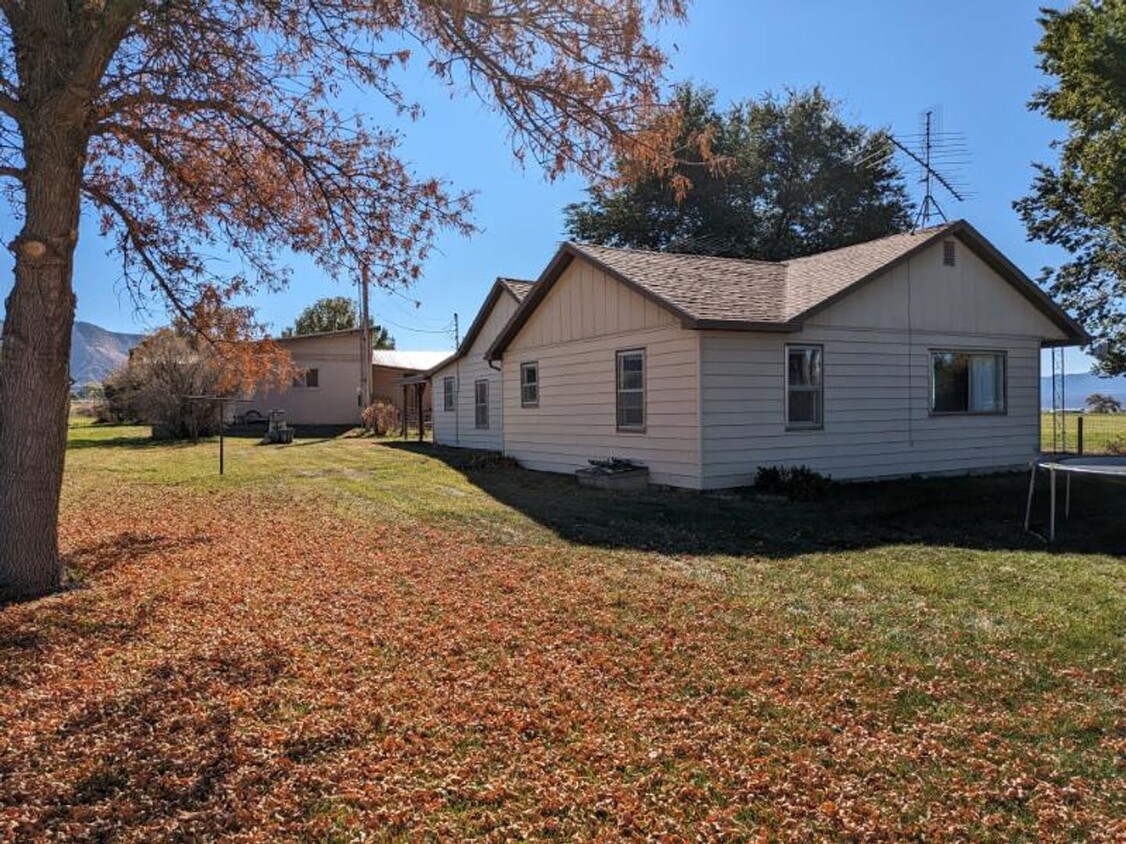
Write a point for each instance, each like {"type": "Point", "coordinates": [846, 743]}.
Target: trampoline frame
{"type": "Point", "coordinates": [1068, 465]}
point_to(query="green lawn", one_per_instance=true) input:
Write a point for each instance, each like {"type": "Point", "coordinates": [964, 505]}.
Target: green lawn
{"type": "Point", "coordinates": [1103, 433]}
{"type": "Point", "coordinates": [348, 637]}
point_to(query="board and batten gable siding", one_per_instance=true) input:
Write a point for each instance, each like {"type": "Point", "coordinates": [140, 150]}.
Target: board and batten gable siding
{"type": "Point", "coordinates": [876, 369]}
{"type": "Point", "coordinates": [334, 401]}
{"type": "Point", "coordinates": [574, 336]}
{"type": "Point", "coordinates": [456, 427]}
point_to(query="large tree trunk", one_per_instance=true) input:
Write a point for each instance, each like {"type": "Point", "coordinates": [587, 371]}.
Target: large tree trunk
{"type": "Point", "coordinates": [61, 51]}
{"type": "Point", "coordinates": [34, 387]}
{"type": "Point", "coordinates": [34, 357]}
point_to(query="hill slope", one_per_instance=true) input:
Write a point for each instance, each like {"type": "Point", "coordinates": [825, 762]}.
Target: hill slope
{"type": "Point", "coordinates": [96, 352]}
{"type": "Point", "coordinates": [1079, 385]}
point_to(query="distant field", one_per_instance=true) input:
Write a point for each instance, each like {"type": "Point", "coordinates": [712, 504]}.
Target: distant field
{"type": "Point", "coordinates": [1101, 431]}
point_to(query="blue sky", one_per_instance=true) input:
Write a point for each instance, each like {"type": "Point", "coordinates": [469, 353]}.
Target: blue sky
{"type": "Point", "coordinates": [888, 61]}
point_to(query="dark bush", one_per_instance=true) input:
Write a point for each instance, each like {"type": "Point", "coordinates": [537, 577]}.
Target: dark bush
{"type": "Point", "coordinates": [381, 417]}
{"type": "Point", "coordinates": [798, 483]}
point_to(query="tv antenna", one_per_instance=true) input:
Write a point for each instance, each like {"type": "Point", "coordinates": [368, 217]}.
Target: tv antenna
{"type": "Point", "coordinates": [939, 156]}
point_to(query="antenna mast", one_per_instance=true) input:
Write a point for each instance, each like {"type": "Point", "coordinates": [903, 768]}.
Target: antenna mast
{"type": "Point", "coordinates": [934, 148]}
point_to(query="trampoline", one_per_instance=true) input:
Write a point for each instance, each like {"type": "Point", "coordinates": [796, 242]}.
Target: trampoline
{"type": "Point", "coordinates": [1108, 465]}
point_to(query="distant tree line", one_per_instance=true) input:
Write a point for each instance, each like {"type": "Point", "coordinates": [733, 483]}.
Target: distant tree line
{"type": "Point", "coordinates": [336, 313]}
{"type": "Point", "coordinates": [771, 179]}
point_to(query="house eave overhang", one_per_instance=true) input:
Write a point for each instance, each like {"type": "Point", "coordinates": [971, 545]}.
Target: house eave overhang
{"type": "Point", "coordinates": [1074, 333]}
{"type": "Point", "coordinates": [498, 289]}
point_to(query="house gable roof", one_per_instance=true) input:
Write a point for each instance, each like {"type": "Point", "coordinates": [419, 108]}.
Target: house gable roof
{"type": "Point", "coordinates": [517, 288]}
{"type": "Point", "coordinates": [745, 295]}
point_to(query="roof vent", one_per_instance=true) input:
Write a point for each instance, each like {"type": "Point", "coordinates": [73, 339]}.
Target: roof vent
{"type": "Point", "coordinates": [949, 253]}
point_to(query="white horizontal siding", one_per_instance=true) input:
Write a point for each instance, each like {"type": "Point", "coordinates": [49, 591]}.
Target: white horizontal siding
{"type": "Point", "coordinates": [457, 427]}
{"type": "Point", "coordinates": [574, 336]}
{"type": "Point", "coordinates": [876, 407]}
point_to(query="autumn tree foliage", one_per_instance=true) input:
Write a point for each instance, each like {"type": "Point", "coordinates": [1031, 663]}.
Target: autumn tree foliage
{"type": "Point", "coordinates": [204, 127]}
{"type": "Point", "coordinates": [336, 313]}
{"type": "Point", "coordinates": [1079, 202]}
{"type": "Point", "coordinates": [771, 178]}
{"type": "Point", "coordinates": [216, 349]}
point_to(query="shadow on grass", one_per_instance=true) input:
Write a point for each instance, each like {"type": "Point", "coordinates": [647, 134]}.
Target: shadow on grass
{"type": "Point", "coordinates": [981, 512]}
{"type": "Point", "coordinates": [126, 547]}
{"type": "Point", "coordinates": [123, 442]}
{"type": "Point", "coordinates": [304, 435]}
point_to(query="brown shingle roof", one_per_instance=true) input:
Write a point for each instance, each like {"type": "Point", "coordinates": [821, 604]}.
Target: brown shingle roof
{"type": "Point", "coordinates": [815, 279]}
{"type": "Point", "coordinates": [733, 293]}
{"type": "Point", "coordinates": [744, 291]}
{"type": "Point", "coordinates": [517, 287]}
{"type": "Point", "coordinates": [699, 287]}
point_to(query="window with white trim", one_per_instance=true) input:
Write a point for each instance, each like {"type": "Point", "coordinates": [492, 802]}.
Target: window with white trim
{"type": "Point", "coordinates": [530, 384]}
{"type": "Point", "coordinates": [967, 382]}
{"type": "Point", "coordinates": [481, 404]}
{"type": "Point", "coordinates": [805, 392]}
{"type": "Point", "coordinates": [631, 390]}
{"type": "Point", "coordinates": [448, 393]}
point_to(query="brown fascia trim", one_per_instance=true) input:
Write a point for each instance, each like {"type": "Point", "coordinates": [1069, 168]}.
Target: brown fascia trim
{"type": "Point", "coordinates": [989, 253]}
{"type": "Point", "coordinates": [960, 228]}
{"type": "Point", "coordinates": [551, 274]}
{"type": "Point", "coordinates": [1077, 334]}
{"type": "Point", "coordinates": [478, 323]}
{"type": "Point", "coordinates": [943, 232]}
{"type": "Point", "coordinates": [743, 325]}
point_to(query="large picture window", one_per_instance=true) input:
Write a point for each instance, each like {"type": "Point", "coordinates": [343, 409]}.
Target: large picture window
{"type": "Point", "coordinates": [967, 382]}
{"type": "Point", "coordinates": [448, 393]}
{"type": "Point", "coordinates": [481, 404]}
{"type": "Point", "coordinates": [804, 387]}
{"type": "Point", "coordinates": [631, 390]}
{"type": "Point", "coordinates": [529, 384]}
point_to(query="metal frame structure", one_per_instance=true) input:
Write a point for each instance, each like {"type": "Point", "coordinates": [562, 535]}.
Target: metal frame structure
{"type": "Point", "coordinates": [1106, 466]}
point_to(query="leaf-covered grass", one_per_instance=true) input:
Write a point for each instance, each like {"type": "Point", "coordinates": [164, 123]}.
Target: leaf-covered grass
{"type": "Point", "coordinates": [349, 637]}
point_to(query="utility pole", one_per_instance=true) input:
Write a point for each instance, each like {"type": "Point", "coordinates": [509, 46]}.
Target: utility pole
{"type": "Point", "coordinates": [365, 339]}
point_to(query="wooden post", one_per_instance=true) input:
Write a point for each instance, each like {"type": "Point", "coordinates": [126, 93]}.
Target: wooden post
{"type": "Point", "coordinates": [1079, 443]}
{"type": "Point", "coordinates": [404, 413]}
{"type": "Point", "coordinates": [365, 340]}
{"type": "Point", "coordinates": [420, 388]}
{"type": "Point", "coordinates": [222, 418]}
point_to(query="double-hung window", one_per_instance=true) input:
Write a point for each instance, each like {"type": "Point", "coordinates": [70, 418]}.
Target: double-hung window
{"type": "Point", "coordinates": [481, 404]}
{"type": "Point", "coordinates": [448, 392]}
{"type": "Point", "coordinates": [529, 384]}
{"type": "Point", "coordinates": [967, 382]}
{"type": "Point", "coordinates": [631, 390]}
{"type": "Point", "coordinates": [805, 391]}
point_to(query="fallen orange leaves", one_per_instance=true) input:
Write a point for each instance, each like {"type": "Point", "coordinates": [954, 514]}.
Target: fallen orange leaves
{"type": "Point", "coordinates": [235, 670]}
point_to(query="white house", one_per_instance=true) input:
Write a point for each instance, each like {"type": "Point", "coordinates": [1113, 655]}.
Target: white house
{"type": "Point", "coordinates": [467, 389]}
{"type": "Point", "coordinates": [327, 389]}
{"type": "Point", "coordinates": [915, 353]}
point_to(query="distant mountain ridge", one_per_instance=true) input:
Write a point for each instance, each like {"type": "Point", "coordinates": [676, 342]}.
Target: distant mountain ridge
{"type": "Point", "coordinates": [1078, 385]}
{"type": "Point", "coordinates": [96, 352]}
